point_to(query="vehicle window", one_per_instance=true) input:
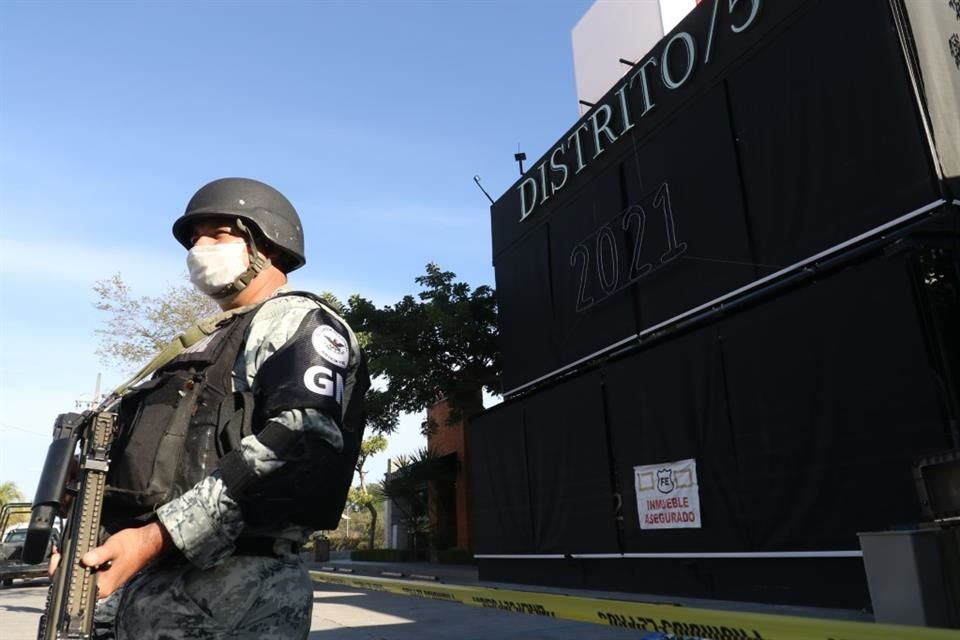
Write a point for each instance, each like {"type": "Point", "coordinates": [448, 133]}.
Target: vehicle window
{"type": "Point", "coordinates": [16, 536]}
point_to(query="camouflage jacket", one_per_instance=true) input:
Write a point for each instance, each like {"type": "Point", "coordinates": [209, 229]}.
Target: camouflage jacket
{"type": "Point", "coordinates": [205, 522]}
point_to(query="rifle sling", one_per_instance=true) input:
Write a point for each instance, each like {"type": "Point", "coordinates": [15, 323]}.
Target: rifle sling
{"type": "Point", "coordinates": [185, 340]}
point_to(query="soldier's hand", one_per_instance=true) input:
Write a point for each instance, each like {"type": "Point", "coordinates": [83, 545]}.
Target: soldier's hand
{"type": "Point", "coordinates": [53, 562]}
{"type": "Point", "coordinates": [124, 554]}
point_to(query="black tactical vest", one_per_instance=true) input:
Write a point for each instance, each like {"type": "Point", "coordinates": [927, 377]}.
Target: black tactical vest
{"type": "Point", "coordinates": [182, 424]}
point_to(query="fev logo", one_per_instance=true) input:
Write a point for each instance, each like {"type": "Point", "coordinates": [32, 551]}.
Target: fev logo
{"type": "Point", "coordinates": [665, 480]}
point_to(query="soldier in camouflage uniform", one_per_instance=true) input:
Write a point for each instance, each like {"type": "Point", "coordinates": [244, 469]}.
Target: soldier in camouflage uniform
{"type": "Point", "coordinates": [220, 559]}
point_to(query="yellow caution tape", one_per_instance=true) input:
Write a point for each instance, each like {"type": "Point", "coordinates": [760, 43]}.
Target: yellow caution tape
{"type": "Point", "coordinates": [665, 621]}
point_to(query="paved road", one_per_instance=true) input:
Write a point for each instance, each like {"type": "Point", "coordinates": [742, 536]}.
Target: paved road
{"type": "Point", "coordinates": [20, 608]}
{"type": "Point", "coordinates": [342, 613]}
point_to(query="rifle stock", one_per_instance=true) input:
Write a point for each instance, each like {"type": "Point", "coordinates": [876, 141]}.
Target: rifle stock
{"type": "Point", "coordinates": [73, 590]}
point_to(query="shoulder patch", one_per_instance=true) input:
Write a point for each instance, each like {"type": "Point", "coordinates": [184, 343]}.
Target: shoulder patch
{"type": "Point", "coordinates": [333, 347]}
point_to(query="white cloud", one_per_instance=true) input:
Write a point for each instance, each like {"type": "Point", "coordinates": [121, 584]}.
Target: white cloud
{"type": "Point", "coordinates": [64, 263]}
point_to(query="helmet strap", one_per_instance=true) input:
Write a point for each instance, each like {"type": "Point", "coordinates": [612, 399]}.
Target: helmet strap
{"type": "Point", "coordinates": [258, 262]}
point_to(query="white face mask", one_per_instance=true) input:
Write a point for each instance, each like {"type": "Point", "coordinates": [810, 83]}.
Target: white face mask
{"type": "Point", "coordinates": [214, 266]}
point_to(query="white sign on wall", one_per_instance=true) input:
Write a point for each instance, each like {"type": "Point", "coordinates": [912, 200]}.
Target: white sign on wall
{"type": "Point", "coordinates": [668, 496]}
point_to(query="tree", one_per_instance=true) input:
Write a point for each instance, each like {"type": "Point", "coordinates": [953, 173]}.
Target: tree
{"type": "Point", "coordinates": [360, 495]}
{"type": "Point", "coordinates": [138, 327]}
{"type": "Point", "coordinates": [408, 487]}
{"type": "Point", "coordinates": [442, 344]}
{"type": "Point", "coordinates": [9, 492]}
{"type": "Point", "coordinates": [353, 531]}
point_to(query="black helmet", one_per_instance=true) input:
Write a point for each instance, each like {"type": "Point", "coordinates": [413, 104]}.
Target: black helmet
{"type": "Point", "coordinates": [263, 207]}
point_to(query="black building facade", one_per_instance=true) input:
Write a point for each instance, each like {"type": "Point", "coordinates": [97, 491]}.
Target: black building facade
{"type": "Point", "coordinates": [744, 256]}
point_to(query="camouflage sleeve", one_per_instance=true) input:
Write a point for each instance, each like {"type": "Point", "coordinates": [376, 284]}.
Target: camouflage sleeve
{"type": "Point", "coordinates": [204, 522]}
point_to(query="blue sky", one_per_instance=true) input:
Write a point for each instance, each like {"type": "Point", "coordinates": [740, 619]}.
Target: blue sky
{"type": "Point", "coordinates": [372, 117]}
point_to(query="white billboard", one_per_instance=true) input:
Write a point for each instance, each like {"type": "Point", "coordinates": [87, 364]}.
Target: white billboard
{"type": "Point", "coordinates": [615, 30]}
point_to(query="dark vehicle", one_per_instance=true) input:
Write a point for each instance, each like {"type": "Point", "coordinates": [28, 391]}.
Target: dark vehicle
{"type": "Point", "coordinates": [11, 546]}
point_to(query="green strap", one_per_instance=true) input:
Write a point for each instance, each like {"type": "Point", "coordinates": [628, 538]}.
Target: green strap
{"type": "Point", "coordinates": [176, 346]}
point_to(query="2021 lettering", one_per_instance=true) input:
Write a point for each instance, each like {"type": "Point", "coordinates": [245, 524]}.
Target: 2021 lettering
{"type": "Point", "coordinates": [650, 245]}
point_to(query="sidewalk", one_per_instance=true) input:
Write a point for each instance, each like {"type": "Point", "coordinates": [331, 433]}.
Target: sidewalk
{"type": "Point", "coordinates": [447, 573]}
{"type": "Point", "coordinates": [468, 575]}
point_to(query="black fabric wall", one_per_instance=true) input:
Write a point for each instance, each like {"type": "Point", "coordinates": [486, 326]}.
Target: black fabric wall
{"type": "Point", "coordinates": [544, 465]}
{"type": "Point", "coordinates": [833, 394]}
{"type": "Point", "coordinates": [670, 403]}
{"type": "Point", "coordinates": [502, 504]}
{"type": "Point", "coordinates": [830, 139]}
{"type": "Point", "coordinates": [567, 452]}
{"type": "Point", "coordinates": [527, 342]}
{"type": "Point", "coordinates": [804, 414]}
{"type": "Point", "coordinates": [815, 582]}
{"type": "Point", "coordinates": [803, 132]}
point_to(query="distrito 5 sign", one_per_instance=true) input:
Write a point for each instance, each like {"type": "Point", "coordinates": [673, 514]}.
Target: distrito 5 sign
{"type": "Point", "coordinates": [668, 496]}
{"type": "Point", "coordinates": [666, 69]}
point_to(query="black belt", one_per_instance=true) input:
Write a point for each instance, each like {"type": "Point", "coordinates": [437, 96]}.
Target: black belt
{"type": "Point", "coordinates": [258, 547]}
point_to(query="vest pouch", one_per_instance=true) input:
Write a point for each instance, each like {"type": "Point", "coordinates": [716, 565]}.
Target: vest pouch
{"type": "Point", "coordinates": [199, 455]}
{"type": "Point", "coordinates": [235, 418]}
{"type": "Point", "coordinates": [153, 426]}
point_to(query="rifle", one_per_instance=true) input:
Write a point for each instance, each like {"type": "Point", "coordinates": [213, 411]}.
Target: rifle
{"type": "Point", "coordinates": [73, 589]}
